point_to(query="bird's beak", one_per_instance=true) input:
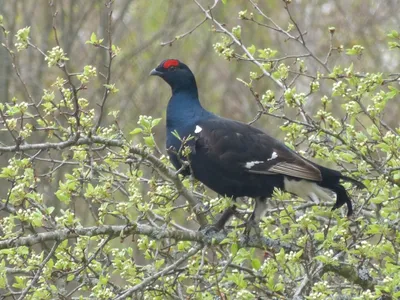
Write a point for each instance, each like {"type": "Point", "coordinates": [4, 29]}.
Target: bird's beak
{"type": "Point", "coordinates": [154, 72]}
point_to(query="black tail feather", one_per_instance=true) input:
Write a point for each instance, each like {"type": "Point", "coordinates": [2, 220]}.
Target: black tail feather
{"type": "Point", "coordinates": [357, 183]}
{"type": "Point", "coordinates": [342, 197]}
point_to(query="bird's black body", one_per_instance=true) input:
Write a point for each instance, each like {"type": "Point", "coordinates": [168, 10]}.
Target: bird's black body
{"type": "Point", "coordinates": [233, 158]}
{"type": "Point", "coordinates": [219, 154]}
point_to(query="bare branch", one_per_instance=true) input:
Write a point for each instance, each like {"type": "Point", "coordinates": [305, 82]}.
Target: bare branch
{"type": "Point", "coordinates": [111, 56]}
{"type": "Point", "coordinates": [178, 37]}
{"type": "Point", "coordinates": [240, 44]}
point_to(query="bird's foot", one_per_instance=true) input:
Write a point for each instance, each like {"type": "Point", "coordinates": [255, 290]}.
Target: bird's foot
{"type": "Point", "coordinates": [249, 225]}
{"type": "Point", "coordinates": [211, 229]}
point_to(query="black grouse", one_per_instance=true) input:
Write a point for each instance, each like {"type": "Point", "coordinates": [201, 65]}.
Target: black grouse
{"type": "Point", "coordinates": [235, 159]}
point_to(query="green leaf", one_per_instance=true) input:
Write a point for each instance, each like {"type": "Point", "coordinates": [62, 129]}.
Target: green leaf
{"type": "Point", "coordinates": [355, 50]}
{"type": "Point", "coordinates": [93, 37]}
{"type": "Point", "coordinates": [234, 249]}
{"type": "Point", "coordinates": [70, 277]}
{"type": "Point", "coordinates": [237, 32]}
{"type": "Point", "coordinates": [255, 263]}
{"type": "Point", "coordinates": [63, 197]}
{"type": "Point", "coordinates": [393, 34]}
{"type": "Point", "coordinates": [149, 141]}
{"type": "Point", "coordinates": [49, 210]}
{"type": "Point", "coordinates": [251, 49]}
{"type": "Point", "coordinates": [155, 122]}
{"type": "Point", "coordinates": [176, 134]}
{"type": "Point", "coordinates": [319, 236]}
{"type": "Point", "coordinates": [159, 263]}
{"type": "Point", "coordinates": [279, 287]}
{"type": "Point", "coordinates": [266, 53]}
{"type": "Point", "coordinates": [37, 219]}
{"type": "Point", "coordinates": [225, 241]}
{"type": "Point", "coordinates": [136, 131]}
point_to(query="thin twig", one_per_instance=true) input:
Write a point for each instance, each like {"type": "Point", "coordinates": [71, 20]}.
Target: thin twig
{"type": "Point", "coordinates": [39, 271]}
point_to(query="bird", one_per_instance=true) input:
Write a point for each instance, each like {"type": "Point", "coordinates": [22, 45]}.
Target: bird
{"type": "Point", "coordinates": [235, 159]}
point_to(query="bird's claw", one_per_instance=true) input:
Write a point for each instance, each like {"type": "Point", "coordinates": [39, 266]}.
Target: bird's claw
{"type": "Point", "coordinates": [249, 225]}
{"type": "Point", "coordinates": [210, 229]}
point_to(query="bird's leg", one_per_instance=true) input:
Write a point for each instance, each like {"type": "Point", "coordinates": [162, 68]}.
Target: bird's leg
{"type": "Point", "coordinates": [226, 215]}
{"type": "Point", "coordinates": [258, 212]}
{"type": "Point", "coordinates": [220, 224]}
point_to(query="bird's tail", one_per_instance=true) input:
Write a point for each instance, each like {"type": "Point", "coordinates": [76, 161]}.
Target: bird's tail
{"type": "Point", "coordinates": [357, 183]}
{"type": "Point", "coordinates": [342, 197]}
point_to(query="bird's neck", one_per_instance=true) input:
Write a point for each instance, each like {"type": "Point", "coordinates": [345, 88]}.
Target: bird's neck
{"type": "Point", "coordinates": [184, 109]}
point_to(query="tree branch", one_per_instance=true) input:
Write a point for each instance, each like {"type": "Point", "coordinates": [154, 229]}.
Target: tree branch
{"type": "Point", "coordinates": [357, 276]}
{"type": "Point", "coordinates": [240, 44]}
{"type": "Point", "coordinates": [114, 231]}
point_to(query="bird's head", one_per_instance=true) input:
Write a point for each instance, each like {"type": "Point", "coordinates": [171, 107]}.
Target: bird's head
{"type": "Point", "coordinates": [176, 74]}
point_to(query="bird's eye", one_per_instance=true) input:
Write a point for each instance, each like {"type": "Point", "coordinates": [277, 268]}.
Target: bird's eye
{"type": "Point", "coordinates": [171, 69]}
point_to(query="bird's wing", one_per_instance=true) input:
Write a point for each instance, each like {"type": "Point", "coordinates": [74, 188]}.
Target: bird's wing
{"type": "Point", "coordinates": [238, 147]}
